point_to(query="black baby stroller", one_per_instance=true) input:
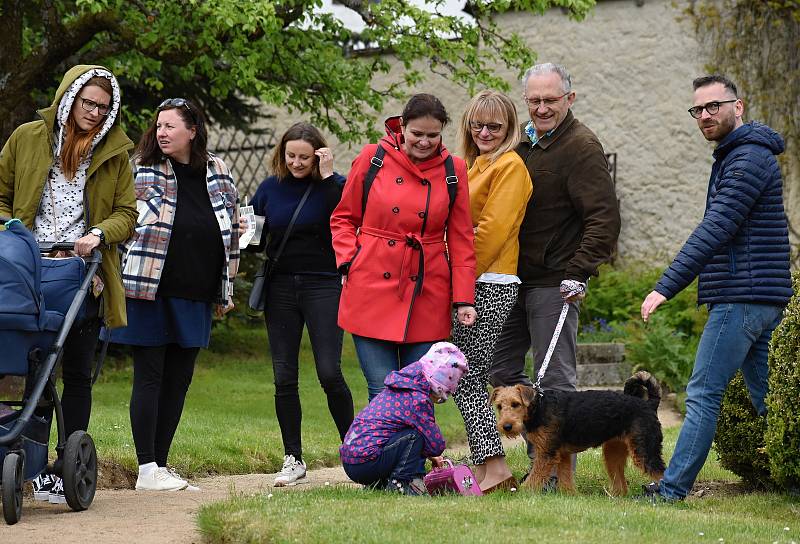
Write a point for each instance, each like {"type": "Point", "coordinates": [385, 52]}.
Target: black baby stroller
{"type": "Point", "coordinates": [40, 299]}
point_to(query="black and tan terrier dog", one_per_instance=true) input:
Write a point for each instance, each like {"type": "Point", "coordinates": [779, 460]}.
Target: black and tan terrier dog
{"type": "Point", "coordinates": [560, 423]}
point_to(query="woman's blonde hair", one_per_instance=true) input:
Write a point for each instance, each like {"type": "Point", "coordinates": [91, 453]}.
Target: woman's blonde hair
{"type": "Point", "coordinates": [491, 107]}
{"type": "Point", "coordinates": [77, 143]}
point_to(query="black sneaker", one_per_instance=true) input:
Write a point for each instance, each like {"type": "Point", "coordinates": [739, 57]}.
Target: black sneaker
{"type": "Point", "coordinates": [652, 493]}
{"type": "Point", "coordinates": [42, 485]}
{"type": "Point", "coordinates": [56, 495]}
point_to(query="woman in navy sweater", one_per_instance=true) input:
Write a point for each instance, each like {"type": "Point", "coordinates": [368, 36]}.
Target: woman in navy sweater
{"type": "Point", "coordinates": [305, 286]}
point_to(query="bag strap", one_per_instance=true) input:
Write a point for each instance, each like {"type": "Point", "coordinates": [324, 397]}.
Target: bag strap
{"type": "Point", "coordinates": [376, 162]}
{"type": "Point", "coordinates": [451, 179]}
{"type": "Point", "coordinates": [274, 260]}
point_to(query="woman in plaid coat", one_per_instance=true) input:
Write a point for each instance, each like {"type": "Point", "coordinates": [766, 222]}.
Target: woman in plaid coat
{"type": "Point", "coordinates": [178, 267]}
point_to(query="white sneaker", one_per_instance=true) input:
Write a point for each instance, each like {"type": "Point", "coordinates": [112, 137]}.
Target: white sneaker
{"type": "Point", "coordinates": [160, 480]}
{"type": "Point", "coordinates": [56, 495]}
{"type": "Point", "coordinates": [292, 471]}
{"type": "Point", "coordinates": [189, 487]}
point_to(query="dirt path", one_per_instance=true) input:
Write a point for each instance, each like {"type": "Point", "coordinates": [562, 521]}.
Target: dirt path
{"type": "Point", "coordinates": [125, 516]}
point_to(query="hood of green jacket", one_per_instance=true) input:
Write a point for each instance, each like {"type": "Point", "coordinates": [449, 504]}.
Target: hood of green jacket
{"type": "Point", "coordinates": [111, 139]}
{"type": "Point", "coordinates": [26, 159]}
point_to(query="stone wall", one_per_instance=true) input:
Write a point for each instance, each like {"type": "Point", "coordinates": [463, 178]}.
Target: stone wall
{"type": "Point", "coordinates": [632, 68]}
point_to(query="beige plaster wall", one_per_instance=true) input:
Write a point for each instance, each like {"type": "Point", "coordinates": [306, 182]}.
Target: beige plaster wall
{"type": "Point", "coordinates": [632, 68]}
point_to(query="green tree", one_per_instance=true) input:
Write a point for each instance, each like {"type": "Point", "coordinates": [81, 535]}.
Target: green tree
{"type": "Point", "coordinates": [230, 54]}
{"type": "Point", "coordinates": [756, 42]}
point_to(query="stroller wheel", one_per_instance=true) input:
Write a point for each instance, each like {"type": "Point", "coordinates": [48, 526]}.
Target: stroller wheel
{"type": "Point", "coordinates": [13, 470]}
{"type": "Point", "coordinates": [80, 470]}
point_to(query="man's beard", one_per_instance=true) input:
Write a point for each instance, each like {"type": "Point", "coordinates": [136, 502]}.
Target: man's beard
{"type": "Point", "coordinates": [722, 127]}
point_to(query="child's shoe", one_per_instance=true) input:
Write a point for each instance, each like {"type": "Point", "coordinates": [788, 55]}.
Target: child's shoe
{"type": "Point", "coordinates": [414, 488]}
{"type": "Point", "coordinates": [292, 471]}
{"type": "Point", "coordinates": [417, 487]}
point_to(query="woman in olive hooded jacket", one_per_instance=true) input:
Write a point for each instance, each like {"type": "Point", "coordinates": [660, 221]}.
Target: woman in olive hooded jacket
{"type": "Point", "coordinates": [66, 176]}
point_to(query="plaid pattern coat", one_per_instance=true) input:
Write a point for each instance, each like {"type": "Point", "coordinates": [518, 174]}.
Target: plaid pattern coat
{"type": "Point", "coordinates": [156, 200]}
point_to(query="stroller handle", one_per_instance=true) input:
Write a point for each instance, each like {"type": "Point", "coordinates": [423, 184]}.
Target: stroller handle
{"type": "Point", "coordinates": [95, 257]}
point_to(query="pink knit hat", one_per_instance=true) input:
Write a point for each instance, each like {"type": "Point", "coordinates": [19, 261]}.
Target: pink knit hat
{"type": "Point", "coordinates": [443, 367]}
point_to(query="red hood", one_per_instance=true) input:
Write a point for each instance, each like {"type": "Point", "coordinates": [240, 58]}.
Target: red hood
{"type": "Point", "coordinates": [394, 140]}
{"type": "Point", "coordinates": [394, 131]}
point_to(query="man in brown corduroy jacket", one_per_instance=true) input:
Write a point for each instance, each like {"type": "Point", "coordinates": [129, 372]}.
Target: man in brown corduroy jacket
{"type": "Point", "coordinates": [571, 226]}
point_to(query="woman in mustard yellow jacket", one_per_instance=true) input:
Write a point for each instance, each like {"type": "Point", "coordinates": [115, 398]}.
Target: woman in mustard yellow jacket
{"type": "Point", "coordinates": [499, 189]}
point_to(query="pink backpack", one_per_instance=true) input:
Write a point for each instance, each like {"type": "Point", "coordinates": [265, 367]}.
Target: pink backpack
{"type": "Point", "coordinates": [452, 479]}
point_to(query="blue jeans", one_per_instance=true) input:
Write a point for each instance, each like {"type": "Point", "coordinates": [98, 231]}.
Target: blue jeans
{"type": "Point", "coordinates": [401, 459]}
{"type": "Point", "coordinates": [735, 337]}
{"type": "Point", "coordinates": [379, 357]}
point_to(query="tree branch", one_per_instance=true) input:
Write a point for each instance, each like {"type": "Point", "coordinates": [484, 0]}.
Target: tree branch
{"type": "Point", "coordinates": [11, 31]}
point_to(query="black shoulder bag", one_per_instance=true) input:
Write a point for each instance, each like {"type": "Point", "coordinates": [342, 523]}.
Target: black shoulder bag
{"type": "Point", "coordinates": [258, 295]}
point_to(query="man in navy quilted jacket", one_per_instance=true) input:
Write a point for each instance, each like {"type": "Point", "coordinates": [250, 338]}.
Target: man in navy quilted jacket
{"type": "Point", "coordinates": [740, 251]}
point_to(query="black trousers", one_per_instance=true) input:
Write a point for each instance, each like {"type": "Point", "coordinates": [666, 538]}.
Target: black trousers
{"type": "Point", "coordinates": [161, 378]}
{"type": "Point", "coordinates": [76, 371]}
{"type": "Point", "coordinates": [295, 301]}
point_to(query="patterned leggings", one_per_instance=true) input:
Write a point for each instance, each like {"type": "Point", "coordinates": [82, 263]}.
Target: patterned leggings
{"type": "Point", "coordinates": [493, 302]}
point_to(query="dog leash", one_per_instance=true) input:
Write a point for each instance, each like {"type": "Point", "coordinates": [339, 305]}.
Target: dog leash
{"type": "Point", "coordinates": [569, 288]}
{"type": "Point", "coordinates": [552, 347]}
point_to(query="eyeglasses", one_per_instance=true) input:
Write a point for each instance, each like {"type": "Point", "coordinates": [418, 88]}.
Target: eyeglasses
{"type": "Point", "coordinates": [90, 105]}
{"type": "Point", "coordinates": [477, 126]}
{"type": "Point", "coordinates": [547, 102]}
{"type": "Point", "coordinates": [711, 108]}
{"type": "Point", "coordinates": [177, 103]}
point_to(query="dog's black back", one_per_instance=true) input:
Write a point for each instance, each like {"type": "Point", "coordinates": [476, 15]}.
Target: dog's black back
{"type": "Point", "coordinates": [588, 418]}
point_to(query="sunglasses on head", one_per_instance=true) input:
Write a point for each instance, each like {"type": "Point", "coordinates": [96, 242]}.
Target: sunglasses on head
{"type": "Point", "coordinates": [177, 103]}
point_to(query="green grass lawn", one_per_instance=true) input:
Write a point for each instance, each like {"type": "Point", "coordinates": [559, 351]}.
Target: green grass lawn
{"type": "Point", "coordinates": [350, 515]}
{"type": "Point", "coordinates": [229, 427]}
{"type": "Point", "coordinates": [229, 424]}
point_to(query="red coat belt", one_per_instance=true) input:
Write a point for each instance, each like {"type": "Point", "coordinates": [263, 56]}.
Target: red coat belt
{"type": "Point", "coordinates": [414, 243]}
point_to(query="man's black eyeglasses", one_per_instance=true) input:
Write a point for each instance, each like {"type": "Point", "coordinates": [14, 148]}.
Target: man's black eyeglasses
{"type": "Point", "coordinates": [711, 108]}
{"type": "Point", "coordinates": [177, 103]}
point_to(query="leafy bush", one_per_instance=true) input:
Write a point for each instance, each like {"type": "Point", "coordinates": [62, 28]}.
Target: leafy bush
{"type": "Point", "coordinates": [600, 330]}
{"type": "Point", "coordinates": [783, 425]}
{"type": "Point", "coordinates": [616, 298]}
{"type": "Point", "coordinates": [766, 451]}
{"type": "Point", "coordinates": [666, 345]}
{"type": "Point", "coordinates": [740, 436]}
{"type": "Point", "coordinates": [659, 348]}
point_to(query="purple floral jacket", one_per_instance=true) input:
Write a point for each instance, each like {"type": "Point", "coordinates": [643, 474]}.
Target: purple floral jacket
{"type": "Point", "coordinates": [404, 403]}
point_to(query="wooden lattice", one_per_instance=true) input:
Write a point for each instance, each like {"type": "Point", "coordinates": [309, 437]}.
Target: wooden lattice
{"type": "Point", "coordinates": [247, 154]}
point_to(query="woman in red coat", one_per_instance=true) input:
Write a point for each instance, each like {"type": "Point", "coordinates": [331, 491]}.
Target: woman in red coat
{"type": "Point", "coordinates": [400, 280]}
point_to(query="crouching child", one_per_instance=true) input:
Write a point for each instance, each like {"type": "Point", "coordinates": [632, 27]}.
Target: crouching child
{"type": "Point", "coordinates": [389, 440]}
